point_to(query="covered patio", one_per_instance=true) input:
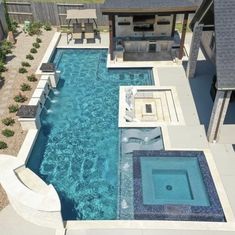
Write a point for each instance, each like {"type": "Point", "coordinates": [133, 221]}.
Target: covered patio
{"type": "Point", "coordinates": [145, 30]}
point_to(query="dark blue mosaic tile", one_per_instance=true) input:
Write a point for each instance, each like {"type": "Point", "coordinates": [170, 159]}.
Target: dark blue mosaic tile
{"type": "Point", "coordinates": [214, 212]}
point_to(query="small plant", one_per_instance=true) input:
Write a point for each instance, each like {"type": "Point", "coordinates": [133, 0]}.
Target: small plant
{"type": "Point", "coordinates": [32, 78]}
{"type": "Point", "coordinates": [25, 87]}
{"type": "Point", "coordinates": [2, 67]}
{"type": "Point", "coordinates": [29, 57]}
{"type": "Point", "coordinates": [20, 98]}
{"type": "Point", "coordinates": [13, 108]}
{"type": "Point", "coordinates": [38, 40]}
{"type": "Point", "coordinates": [22, 70]}
{"type": "Point", "coordinates": [3, 145]}
{"type": "Point", "coordinates": [35, 28]}
{"type": "Point", "coordinates": [25, 64]}
{"type": "Point", "coordinates": [8, 133]}
{"type": "Point", "coordinates": [8, 121]}
{"type": "Point", "coordinates": [47, 26]}
{"type": "Point", "coordinates": [33, 50]}
{"type": "Point", "coordinates": [36, 45]}
{"type": "Point", "coordinates": [6, 47]}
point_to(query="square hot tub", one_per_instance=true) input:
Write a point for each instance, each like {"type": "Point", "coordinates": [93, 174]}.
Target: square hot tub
{"type": "Point", "coordinates": [174, 185]}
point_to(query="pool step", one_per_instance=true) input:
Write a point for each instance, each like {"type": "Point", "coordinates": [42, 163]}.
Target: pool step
{"type": "Point", "coordinates": [31, 180]}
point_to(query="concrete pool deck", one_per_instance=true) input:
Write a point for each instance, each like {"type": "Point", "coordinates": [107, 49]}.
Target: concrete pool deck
{"type": "Point", "coordinates": [190, 136]}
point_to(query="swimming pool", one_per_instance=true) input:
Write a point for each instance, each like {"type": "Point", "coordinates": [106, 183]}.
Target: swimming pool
{"type": "Point", "coordinates": [77, 147]}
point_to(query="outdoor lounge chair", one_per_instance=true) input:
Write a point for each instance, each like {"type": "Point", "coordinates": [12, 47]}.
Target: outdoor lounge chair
{"type": "Point", "coordinates": [89, 32]}
{"type": "Point", "coordinates": [128, 148]}
{"type": "Point", "coordinates": [77, 31]}
{"type": "Point", "coordinates": [147, 136]}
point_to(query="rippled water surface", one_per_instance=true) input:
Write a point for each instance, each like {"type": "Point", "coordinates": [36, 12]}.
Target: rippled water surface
{"type": "Point", "coordinates": [77, 147]}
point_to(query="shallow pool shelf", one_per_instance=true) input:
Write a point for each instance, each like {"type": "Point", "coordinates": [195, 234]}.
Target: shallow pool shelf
{"type": "Point", "coordinates": [174, 185]}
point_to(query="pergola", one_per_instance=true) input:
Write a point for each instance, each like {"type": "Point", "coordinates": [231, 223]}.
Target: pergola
{"type": "Point", "coordinates": [81, 14]}
{"type": "Point", "coordinates": [114, 8]}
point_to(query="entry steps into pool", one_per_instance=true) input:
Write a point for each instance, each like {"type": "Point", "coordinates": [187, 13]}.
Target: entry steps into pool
{"type": "Point", "coordinates": [132, 139]}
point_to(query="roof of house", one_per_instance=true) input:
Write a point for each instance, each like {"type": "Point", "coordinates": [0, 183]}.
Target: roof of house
{"type": "Point", "coordinates": [148, 6]}
{"type": "Point", "coordinates": [224, 18]}
{"type": "Point", "coordinates": [200, 11]}
{"type": "Point", "coordinates": [224, 12]}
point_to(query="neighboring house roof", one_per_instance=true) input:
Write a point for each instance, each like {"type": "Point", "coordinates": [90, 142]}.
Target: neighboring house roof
{"type": "Point", "coordinates": [224, 12]}
{"type": "Point", "coordinates": [224, 18]}
{"type": "Point", "coordinates": [148, 6]}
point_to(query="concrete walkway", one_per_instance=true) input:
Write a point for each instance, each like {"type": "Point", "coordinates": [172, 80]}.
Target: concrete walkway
{"type": "Point", "coordinates": [13, 224]}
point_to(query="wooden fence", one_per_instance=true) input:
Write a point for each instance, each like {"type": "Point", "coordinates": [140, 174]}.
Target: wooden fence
{"type": "Point", "coordinates": [55, 13]}
{"type": "Point", "coordinates": [52, 12]}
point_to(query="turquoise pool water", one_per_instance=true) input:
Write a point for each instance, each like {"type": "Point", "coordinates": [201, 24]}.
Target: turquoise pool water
{"type": "Point", "coordinates": [173, 180]}
{"type": "Point", "coordinates": [77, 148]}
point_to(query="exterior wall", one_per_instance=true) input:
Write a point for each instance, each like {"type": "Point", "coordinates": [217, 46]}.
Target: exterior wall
{"type": "Point", "coordinates": [3, 23]}
{"type": "Point", "coordinates": [128, 30]}
{"type": "Point", "coordinates": [206, 42]}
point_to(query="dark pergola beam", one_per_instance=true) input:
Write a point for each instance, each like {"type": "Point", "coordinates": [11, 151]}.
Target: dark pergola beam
{"type": "Point", "coordinates": [183, 34]}
{"type": "Point", "coordinates": [173, 25]}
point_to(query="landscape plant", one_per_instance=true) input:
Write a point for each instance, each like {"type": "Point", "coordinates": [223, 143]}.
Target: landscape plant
{"type": "Point", "coordinates": [32, 78]}
{"type": "Point", "coordinates": [8, 121]}
{"type": "Point", "coordinates": [22, 70]}
{"type": "Point", "coordinates": [25, 87]}
{"type": "Point", "coordinates": [33, 50]}
{"type": "Point", "coordinates": [20, 98]}
{"type": "Point", "coordinates": [25, 64]}
{"type": "Point", "coordinates": [2, 67]}
{"type": "Point", "coordinates": [13, 108]}
{"type": "Point", "coordinates": [29, 57]}
{"type": "Point", "coordinates": [47, 26]}
{"type": "Point", "coordinates": [8, 132]}
{"type": "Point", "coordinates": [3, 145]}
{"type": "Point", "coordinates": [36, 45]}
{"type": "Point", "coordinates": [38, 40]}
{"type": "Point", "coordinates": [35, 28]}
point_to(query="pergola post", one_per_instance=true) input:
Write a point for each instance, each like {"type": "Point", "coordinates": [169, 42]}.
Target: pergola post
{"type": "Point", "coordinates": [218, 114]}
{"type": "Point", "coordinates": [111, 36]}
{"type": "Point", "coordinates": [183, 34]}
{"type": "Point", "coordinates": [173, 26]}
{"type": "Point", "coordinates": [194, 50]}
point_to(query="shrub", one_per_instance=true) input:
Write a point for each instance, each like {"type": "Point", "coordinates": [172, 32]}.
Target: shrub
{"type": "Point", "coordinates": [14, 26]}
{"type": "Point", "coordinates": [29, 57]}
{"type": "Point", "coordinates": [47, 26]}
{"type": "Point", "coordinates": [32, 78]}
{"type": "Point", "coordinates": [36, 45]}
{"type": "Point", "coordinates": [2, 67]}
{"type": "Point", "coordinates": [5, 48]}
{"type": "Point", "coordinates": [8, 133]}
{"type": "Point", "coordinates": [8, 121]}
{"type": "Point", "coordinates": [25, 87]}
{"type": "Point", "coordinates": [33, 50]}
{"type": "Point", "coordinates": [3, 145]}
{"type": "Point", "coordinates": [25, 64]}
{"type": "Point", "coordinates": [13, 108]}
{"type": "Point", "coordinates": [20, 98]}
{"type": "Point", "coordinates": [22, 70]}
{"type": "Point", "coordinates": [38, 40]}
{"type": "Point", "coordinates": [35, 28]}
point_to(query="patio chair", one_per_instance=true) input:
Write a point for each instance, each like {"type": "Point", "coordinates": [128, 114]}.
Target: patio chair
{"type": "Point", "coordinates": [89, 32]}
{"type": "Point", "coordinates": [77, 31]}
